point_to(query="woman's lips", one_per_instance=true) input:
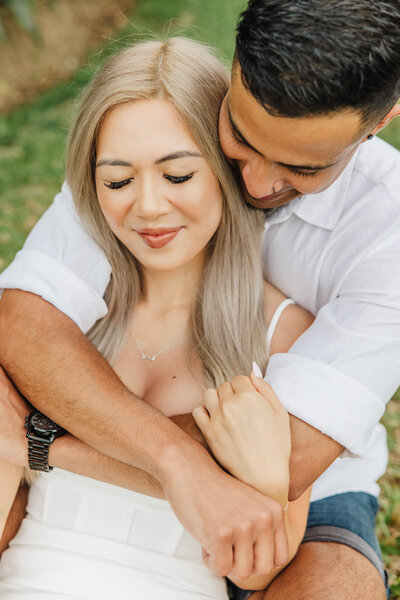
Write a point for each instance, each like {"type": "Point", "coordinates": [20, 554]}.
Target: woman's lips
{"type": "Point", "coordinates": [157, 238]}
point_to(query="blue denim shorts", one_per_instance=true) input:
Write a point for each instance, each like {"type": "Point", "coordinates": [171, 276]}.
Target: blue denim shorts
{"type": "Point", "coordinates": [345, 519]}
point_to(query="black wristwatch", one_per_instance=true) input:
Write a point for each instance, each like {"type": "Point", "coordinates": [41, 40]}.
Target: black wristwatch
{"type": "Point", "coordinates": [42, 432]}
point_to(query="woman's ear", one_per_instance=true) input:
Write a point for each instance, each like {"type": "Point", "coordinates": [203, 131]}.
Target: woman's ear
{"type": "Point", "coordinates": [394, 112]}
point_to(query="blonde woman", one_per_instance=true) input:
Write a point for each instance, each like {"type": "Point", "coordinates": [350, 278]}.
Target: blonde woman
{"type": "Point", "coordinates": [187, 310]}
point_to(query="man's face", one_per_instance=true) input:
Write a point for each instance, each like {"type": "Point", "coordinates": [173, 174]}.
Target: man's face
{"type": "Point", "coordinates": [290, 157]}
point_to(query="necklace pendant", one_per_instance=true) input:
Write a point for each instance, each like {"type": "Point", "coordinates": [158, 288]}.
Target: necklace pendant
{"type": "Point", "coordinates": [147, 357]}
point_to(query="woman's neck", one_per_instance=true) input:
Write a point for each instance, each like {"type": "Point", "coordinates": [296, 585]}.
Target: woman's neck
{"type": "Point", "coordinates": [171, 290]}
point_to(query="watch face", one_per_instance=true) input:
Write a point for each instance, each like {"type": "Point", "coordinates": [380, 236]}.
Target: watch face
{"type": "Point", "coordinates": [43, 424]}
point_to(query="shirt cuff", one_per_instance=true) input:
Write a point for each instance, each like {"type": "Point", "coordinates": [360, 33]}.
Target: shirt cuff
{"type": "Point", "coordinates": [40, 274]}
{"type": "Point", "coordinates": [327, 399]}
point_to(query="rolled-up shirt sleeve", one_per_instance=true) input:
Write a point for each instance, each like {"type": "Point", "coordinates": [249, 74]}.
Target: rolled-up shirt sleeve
{"type": "Point", "coordinates": [61, 263]}
{"type": "Point", "coordinates": [341, 372]}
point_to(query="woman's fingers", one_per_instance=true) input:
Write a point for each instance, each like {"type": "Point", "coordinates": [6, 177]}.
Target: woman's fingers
{"type": "Point", "coordinates": [266, 391]}
{"type": "Point", "coordinates": [242, 384]}
{"type": "Point", "coordinates": [257, 371]}
{"type": "Point", "coordinates": [201, 418]}
{"type": "Point", "coordinates": [211, 401]}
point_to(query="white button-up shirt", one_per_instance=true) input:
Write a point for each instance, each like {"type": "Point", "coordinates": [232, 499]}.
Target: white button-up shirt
{"type": "Point", "coordinates": [337, 253]}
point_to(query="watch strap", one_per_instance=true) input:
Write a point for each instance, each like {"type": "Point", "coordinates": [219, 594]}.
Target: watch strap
{"type": "Point", "coordinates": [38, 453]}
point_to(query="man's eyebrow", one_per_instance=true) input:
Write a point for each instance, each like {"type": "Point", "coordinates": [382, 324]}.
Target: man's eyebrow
{"type": "Point", "coordinates": [115, 162]}
{"type": "Point", "coordinates": [236, 131]}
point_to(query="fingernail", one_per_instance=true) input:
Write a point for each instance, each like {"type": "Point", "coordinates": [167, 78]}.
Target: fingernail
{"type": "Point", "coordinates": [257, 370]}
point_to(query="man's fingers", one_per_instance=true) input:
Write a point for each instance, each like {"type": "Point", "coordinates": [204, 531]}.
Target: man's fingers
{"type": "Point", "coordinates": [243, 557]}
{"type": "Point", "coordinates": [264, 553]}
{"type": "Point", "coordinates": [220, 557]}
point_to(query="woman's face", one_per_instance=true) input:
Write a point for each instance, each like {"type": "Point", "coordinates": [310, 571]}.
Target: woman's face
{"type": "Point", "coordinates": [158, 194]}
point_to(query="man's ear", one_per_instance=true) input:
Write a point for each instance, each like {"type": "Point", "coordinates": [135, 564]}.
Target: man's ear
{"type": "Point", "coordinates": [394, 112]}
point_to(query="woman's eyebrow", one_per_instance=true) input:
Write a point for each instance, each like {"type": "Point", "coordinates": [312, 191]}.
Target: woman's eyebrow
{"type": "Point", "coordinates": [179, 154]}
{"type": "Point", "coordinates": [115, 162]}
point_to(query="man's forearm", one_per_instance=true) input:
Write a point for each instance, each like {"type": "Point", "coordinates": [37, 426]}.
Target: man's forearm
{"type": "Point", "coordinates": [72, 454]}
{"type": "Point", "coordinates": [64, 376]}
{"type": "Point", "coordinates": [312, 453]}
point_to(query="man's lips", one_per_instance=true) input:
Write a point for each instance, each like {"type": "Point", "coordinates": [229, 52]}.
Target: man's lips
{"type": "Point", "coordinates": [157, 238]}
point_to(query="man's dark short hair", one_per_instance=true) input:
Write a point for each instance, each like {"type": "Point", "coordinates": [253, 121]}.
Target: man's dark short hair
{"type": "Point", "coordinates": [313, 57]}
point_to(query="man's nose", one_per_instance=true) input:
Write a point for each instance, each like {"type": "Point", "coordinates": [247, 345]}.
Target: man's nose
{"type": "Point", "coordinates": [259, 178]}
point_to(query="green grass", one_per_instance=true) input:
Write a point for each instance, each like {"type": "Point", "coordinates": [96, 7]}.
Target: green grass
{"type": "Point", "coordinates": [32, 142]}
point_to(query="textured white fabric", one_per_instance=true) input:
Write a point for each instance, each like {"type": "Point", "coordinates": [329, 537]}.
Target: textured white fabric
{"type": "Point", "coordinates": [337, 253]}
{"type": "Point", "coordinates": [60, 261]}
{"type": "Point", "coordinates": [87, 539]}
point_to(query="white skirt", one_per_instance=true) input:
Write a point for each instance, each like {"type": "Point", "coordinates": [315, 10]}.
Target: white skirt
{"type": "Point", "coordinates": [87, 539]}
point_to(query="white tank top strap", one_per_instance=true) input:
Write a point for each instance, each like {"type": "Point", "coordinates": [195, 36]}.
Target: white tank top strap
{"type": "Point", "coordinates": [275, 319]}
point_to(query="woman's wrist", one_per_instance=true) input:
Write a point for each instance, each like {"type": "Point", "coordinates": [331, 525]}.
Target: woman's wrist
{"type": "Point", "coordinates": [276, 487]}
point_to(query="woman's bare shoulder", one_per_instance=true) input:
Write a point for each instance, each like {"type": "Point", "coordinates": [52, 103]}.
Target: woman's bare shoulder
{"type": "Point", "coordinates": [293, 321]}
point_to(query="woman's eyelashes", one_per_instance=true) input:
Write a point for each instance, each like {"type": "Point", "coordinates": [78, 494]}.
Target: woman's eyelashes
{"type": "Point", "coordinates": [180, 179]}
{"type": "Point", "coordinates": [117, 185]}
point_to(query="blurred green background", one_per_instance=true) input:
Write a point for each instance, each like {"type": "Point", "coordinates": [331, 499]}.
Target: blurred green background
{"type": "Point", "coordinates": [32, 142]}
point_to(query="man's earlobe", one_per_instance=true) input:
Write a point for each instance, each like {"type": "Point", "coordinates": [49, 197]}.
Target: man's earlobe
{"type": "Point", "coordinates": [394, 112]}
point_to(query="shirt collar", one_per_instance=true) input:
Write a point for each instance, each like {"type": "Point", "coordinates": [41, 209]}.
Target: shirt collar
{"type": "Point", "coordinates": [323, 209]}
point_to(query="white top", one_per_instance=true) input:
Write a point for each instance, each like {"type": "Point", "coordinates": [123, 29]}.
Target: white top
{"type": "Point", "coordinates": [87, 540]}
{"type": "Point", "coordinates": [337, 253]}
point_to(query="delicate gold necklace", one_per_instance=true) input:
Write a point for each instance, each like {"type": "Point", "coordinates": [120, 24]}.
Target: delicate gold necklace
{"type": "Point", "coordinates": [148, 356]}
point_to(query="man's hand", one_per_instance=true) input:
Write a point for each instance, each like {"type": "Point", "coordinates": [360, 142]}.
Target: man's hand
{"type": "Point", "coordinates": [13, 410]}
{"type": "Point", "coordinates": [241, 530]}
{"type": "Point", "coordinates": [247, 429]}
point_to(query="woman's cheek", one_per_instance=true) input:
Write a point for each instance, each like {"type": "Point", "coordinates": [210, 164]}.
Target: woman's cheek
{"type": "Point", "coordinates": [114, 211]}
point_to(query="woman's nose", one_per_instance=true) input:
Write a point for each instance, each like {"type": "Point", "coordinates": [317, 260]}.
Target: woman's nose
{"type": "Point", "coordinates": [149, 201]}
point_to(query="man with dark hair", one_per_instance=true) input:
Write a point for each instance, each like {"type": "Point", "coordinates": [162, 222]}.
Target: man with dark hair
{"type": "Point", "coordinates": [311, 82]}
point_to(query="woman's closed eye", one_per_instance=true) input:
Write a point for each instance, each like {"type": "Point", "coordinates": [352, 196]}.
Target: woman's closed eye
{"type": "Point", "coordinates": [180, 179]}
{"type": "Point", "coordinates": [116, 185]}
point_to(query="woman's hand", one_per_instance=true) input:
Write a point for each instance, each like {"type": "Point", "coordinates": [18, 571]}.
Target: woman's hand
{"type": "Point", "coordinates": [247, 429]}
{"type": "Point", "coordinates": [13, 410]}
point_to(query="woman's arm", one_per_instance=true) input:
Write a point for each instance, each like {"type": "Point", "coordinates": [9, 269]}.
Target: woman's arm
{"type": "Point", "coordinates": [248, 432]}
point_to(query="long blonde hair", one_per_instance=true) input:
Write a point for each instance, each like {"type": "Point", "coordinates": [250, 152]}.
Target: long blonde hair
{"type": "Point", "coordinates": [228, 324]}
